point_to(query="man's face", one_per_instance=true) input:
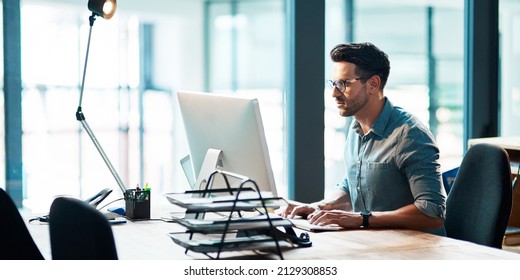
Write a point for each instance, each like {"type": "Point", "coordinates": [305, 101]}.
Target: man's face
{"type": "Point", "coordinates": [355, 96]}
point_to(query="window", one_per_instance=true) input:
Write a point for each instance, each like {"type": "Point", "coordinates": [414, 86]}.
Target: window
{"type": "Point", "coordinates": [509, 24]}
{"type": "Point", "coordinates": [132, 76]}
{"type": "Point", "coordinates": [246, 57]}
{"type": "Point", "coordinates": [59, 157]}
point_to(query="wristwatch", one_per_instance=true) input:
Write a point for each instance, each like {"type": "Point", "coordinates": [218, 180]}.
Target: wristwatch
{"type": "Point", "coordinates": [365, 214]}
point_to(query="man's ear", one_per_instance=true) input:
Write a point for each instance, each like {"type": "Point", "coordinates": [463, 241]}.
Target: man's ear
{"type": "Point", "coordinates": [374, 82]}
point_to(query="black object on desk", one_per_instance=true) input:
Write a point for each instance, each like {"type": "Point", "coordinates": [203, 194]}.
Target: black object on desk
{"type": "Point", "coordinates": [137, 203]}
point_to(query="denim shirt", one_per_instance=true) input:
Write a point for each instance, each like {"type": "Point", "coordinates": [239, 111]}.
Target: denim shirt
{"type": "Point", "coordinates": [393, 165]}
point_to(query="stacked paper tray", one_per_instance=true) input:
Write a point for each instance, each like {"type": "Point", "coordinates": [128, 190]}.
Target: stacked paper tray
{"type": "Point", "coordinates": [245, 202]}
{"type": "Point", "coordinates": [205, 245]}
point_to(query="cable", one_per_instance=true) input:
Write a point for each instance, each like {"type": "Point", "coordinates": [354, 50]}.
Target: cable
{"type": "Point", "coordinates": [44, 219]}
{"type": "Point", "coordinates": [110, 203]}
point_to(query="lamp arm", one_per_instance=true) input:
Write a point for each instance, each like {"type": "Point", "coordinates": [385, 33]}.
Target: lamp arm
{"type": "Point", "coordinates": [81, 118]}
{"type": "Point", "coordinates": [91, 20]}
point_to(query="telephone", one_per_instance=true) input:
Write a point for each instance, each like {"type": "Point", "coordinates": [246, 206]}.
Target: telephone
{"type": "Point", "coordinates": [97, 198]}
{"type": "Point", "coordinates": [93, 201]}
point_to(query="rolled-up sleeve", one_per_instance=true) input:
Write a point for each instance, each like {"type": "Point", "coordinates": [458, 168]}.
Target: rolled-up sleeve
{"type": "Point", "coordinates": [417, 156]}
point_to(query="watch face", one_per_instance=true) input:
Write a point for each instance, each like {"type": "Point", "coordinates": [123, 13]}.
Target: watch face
{"type": "Point", "coordinates": [365, 213]}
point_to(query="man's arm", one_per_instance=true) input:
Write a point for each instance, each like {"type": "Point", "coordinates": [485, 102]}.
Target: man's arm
{"type": "Point", "coordinates": [408, 217]}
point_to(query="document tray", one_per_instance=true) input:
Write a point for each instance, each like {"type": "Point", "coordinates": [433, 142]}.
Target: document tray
{"type": "Point", "coordinates": [258, 222]}
{"type": "Point", "coordinates": [224, 203]}
{"type": "Point", "coordinates": [257, 242]}
{"type": "Point", "coordinates": [236, 231]}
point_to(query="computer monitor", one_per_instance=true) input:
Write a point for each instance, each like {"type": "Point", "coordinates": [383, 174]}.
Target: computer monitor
{"type": "Point", "coordinates": [232, 125]}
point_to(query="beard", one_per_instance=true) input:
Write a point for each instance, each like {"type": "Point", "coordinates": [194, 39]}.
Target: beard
{"type": "Point", "coordinates": [350, 106]}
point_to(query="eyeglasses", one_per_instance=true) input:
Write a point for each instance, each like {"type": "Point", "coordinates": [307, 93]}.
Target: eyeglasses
{"type": "Point", "coordinates": [341, 85]}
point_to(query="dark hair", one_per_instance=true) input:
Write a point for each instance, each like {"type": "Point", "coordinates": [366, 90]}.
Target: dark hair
{"type": "Point", "coordinates": [369, 60]}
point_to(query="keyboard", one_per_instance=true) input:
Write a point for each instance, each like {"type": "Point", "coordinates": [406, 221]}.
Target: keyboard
{"type": "Point", "coordinates": [305, 225]}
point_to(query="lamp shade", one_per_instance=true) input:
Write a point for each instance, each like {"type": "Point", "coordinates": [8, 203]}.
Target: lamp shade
{"type": "Point", "coordinates": [103, 8]}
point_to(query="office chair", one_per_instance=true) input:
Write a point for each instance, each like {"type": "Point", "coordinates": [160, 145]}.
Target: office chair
{"type": "Point", "coordinates": [79, 232]}
{"type": "Point", "coordinates": [448, 177]}
{"type": "Point", "coordinates": [16, 243]}
{"type": "Point", "coordinates": [479, 203]}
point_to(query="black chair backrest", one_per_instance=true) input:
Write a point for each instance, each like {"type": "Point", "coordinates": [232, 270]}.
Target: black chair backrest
{"type": "Point", "coordinates": [79, 231]}
{"type": "Point", "coordinates": [479, 203]}
{"type": "Point", "coordinates": [16, 241]}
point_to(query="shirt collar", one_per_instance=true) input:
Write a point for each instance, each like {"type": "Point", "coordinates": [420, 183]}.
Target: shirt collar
{"type": "Point", "coordinates": [382, 120]}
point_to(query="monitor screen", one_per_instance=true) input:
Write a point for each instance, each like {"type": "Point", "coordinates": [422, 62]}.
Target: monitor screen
{"type": "Point", "coordinates": [232, 125]}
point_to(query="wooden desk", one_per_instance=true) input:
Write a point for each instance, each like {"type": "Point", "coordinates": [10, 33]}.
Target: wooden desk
{"type": "Point", "coordinates": [148, 240]}
{"type": "Point", "coordinates": [512, 147]}
{"type": "Point", "coordinates": [510, 144]}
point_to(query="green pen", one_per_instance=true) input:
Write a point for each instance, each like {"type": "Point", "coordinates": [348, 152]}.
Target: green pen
{"type": "Point", "coordinates": [146, 191]}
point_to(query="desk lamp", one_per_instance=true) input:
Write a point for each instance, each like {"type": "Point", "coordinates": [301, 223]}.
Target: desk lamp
{"type": "Point", "coordinates": [104, 9]}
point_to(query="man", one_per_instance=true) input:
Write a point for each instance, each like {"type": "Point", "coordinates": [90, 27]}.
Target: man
{"type": "Point", "coordinates": [392, 175]}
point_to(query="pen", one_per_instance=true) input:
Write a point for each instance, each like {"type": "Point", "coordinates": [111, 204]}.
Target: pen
{"type": "Point", "coordinates": [137, 192]}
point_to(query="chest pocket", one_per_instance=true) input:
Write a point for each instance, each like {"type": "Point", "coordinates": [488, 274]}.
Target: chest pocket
{"type": "Point", "coordinates": [383, 186]}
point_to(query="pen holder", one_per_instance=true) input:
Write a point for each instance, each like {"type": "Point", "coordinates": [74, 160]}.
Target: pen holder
{"type": "Point", "coordinates": [137, 203]}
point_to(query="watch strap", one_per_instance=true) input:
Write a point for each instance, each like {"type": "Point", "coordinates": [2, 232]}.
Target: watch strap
{"type": "Point", "coordinates": [366, 215]}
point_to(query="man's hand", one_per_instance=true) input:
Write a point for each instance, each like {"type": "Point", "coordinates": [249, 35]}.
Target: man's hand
{"type": "Point", "coordinates": [299, 209]}
{"type": "Point", "coordinates": [342, 218]}
{"type": "Point", "coordinates": [338, 200]}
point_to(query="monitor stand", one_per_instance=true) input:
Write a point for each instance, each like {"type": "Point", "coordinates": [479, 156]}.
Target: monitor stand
{"type": "Point", "coordinates": [212, 161]}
